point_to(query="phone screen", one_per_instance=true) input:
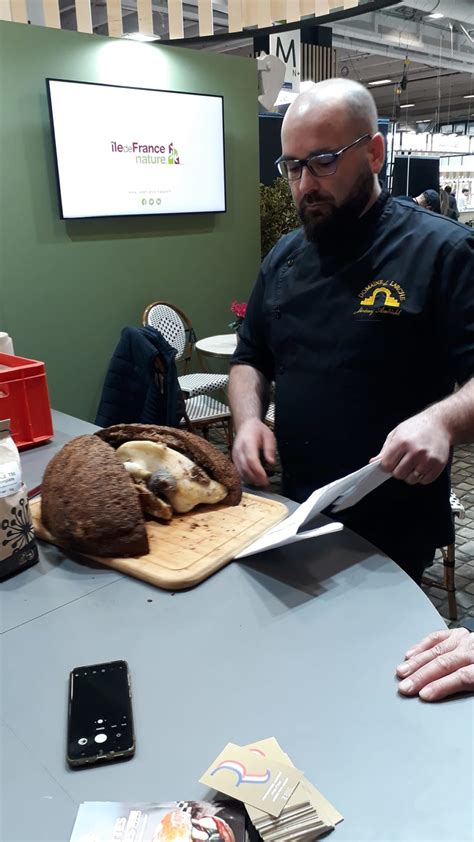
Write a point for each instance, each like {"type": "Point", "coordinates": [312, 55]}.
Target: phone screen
{"type": "Point", "coordinates": [100, 725]}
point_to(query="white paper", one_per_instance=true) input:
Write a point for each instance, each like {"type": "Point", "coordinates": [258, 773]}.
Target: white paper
{"type": "Point", "coordinates": [342, 493]}
{"type": "Point", "coordinates": [10, 478]}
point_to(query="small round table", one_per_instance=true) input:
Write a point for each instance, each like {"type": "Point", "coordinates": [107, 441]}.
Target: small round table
{"type": "Point", "coordinates": [217, 346]}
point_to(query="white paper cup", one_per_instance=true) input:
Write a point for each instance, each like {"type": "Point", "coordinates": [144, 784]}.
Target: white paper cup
{"type": "Point", "coordinates": [6, 344]}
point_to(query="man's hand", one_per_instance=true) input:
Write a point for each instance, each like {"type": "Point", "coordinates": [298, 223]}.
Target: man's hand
{"type": "Point", "coordinates": [442, 664]}
{"type": "Point", "coordinates": [417, 450]}
{"type": "Point", "coordinates": [253, 437]}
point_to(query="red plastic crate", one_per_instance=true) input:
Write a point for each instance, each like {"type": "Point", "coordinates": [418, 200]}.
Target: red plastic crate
{"type": "Point", "coordinates": [24, 400]}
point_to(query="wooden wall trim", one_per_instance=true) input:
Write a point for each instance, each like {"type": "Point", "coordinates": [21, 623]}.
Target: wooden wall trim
{"type": "Point", "coordinates": [114, 18]}
{"type": "Point", "coordinates": [5, 10]}
{"type": "Point", "coordinates": [206, 24]}
{"type": "Point", "coordinates": [234, 12]}
{"type": "Point", "coordinates": [241, 13]}
{"type": "Point", "coordinates": [19, 11]}
{"type": "Point", "coordinates": [175, 19]}
{"type": "Point", "coordinates": [145, 17]}
{"type": "Point", "coordinates": [51, 14]}
{"type": "Point", "coordinates": [84, 16]}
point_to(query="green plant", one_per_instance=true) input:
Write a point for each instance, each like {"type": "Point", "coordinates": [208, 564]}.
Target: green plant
{"type": "Point", "coordinates": [278, 214]}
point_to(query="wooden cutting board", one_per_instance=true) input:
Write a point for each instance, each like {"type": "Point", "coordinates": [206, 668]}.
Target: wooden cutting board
{"type": "Point", "coordinates": [190, 547]}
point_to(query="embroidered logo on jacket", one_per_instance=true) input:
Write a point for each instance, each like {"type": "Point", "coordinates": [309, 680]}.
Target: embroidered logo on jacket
{"type": "Point", "coordinates": [381, 297]}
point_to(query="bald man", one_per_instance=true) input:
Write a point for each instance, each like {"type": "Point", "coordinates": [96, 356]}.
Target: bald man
{"type": "Point", "coordinates": [364, 320]}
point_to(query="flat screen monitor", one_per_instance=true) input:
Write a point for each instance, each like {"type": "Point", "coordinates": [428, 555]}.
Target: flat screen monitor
{"type": "Point", "coordinates": [124, 151]}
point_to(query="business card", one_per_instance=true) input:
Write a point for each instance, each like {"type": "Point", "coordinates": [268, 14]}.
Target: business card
{"type": "Point", "coordinates": [254, 778]}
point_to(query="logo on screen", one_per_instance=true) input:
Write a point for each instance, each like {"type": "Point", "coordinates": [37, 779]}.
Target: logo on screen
{"type": "Point", "coordinates": [148, 153]}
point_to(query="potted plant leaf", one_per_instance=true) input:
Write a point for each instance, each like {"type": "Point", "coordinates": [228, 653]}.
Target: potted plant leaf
{"type": "Point", "coordinates": [278, 214]}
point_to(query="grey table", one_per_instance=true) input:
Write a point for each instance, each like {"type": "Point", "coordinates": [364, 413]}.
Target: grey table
{"type": "Point", "coordinates": [300, 643]}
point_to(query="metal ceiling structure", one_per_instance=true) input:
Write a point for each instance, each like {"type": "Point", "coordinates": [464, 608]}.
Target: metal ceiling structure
{"type": "Point", "coordinates": [370, 47]}
{"type": "Point", "coordinates": [440, 72]}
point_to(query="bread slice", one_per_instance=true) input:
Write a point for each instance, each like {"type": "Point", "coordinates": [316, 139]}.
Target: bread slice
{"type": "Point", "coordinates": [89, 502]}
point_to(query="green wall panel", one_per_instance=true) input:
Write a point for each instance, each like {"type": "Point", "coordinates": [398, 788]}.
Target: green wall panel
{"type": "Point", "coordinates": [68, 287]}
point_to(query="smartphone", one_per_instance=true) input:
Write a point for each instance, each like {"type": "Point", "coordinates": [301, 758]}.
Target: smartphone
{"type": "Point", "coordinates": [100, 721]}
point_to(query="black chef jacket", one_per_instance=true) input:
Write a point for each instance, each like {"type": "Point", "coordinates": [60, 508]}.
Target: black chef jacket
{"type": "Point", "coordinates": [358, 335]}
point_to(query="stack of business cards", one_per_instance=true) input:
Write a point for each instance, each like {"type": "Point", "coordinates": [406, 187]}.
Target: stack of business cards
{"type": "Point", "coordinates": [307, 814]}
{"type": "Point", "coordinates": [280, 802]}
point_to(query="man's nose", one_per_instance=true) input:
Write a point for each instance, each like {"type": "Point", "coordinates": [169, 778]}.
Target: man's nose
{"type": "Point", "coordinates": [308, 181]}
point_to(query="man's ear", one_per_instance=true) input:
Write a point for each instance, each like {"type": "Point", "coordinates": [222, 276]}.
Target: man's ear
{"type": "Point", "coordinates": [377, 152]}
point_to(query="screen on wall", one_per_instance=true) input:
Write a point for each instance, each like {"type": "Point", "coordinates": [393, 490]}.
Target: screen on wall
{"type": "Point", "coordinates": [133, 151]}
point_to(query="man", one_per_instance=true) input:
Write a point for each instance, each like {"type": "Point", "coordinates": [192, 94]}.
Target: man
{"type": "Point", "coordinates": [440, 665]}
{"type": "Point", "coordinates": [364, 320]}
{"type": "Point", "coordinates": [453, 206]}
{"type": "Point", "coordinates": [429, 199]}
{"type": "Point", "coordinates": [464, 199]}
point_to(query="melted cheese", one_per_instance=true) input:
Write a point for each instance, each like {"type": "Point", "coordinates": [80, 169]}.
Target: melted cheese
{"type": "Point", "coordinates": [143, 458]}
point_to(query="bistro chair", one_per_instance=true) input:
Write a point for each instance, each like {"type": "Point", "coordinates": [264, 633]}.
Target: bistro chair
{"type": "Point", "coordinates": [176, 328]}
{"type": "Point", "coordinates": [202, 412]}
{"type": "Point", "coordinates": [449, 561]}
{"type": "Point", "coordinates": [270, 416]}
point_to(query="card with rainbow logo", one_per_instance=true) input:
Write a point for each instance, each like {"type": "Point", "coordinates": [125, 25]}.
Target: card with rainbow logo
{"type": "Point", "coordinates": [253, 778]}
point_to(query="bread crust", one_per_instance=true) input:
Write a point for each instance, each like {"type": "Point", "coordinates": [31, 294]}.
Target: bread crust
{"type": "Point", "coordinates": [78, 512]}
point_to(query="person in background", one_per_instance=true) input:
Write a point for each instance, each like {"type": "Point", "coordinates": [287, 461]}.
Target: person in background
{"type": "Point", "coordinates": [429, 199]}
{"type": "Point", "coordinates": [364, 321]}
{"type": "Point", "coordinates": [453, 212]}
{"type": "Point", "coordinates": [440, 665]}
{"type": "Point", "coordinates": [463, 199]}
{"type": "Point", "coordinates": [443, 202]}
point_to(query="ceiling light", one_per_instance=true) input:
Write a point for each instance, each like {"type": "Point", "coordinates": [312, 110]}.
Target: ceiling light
{"type": "Point", "coordinates": [468, 96]}
{"type": "Point", "coordinates": [435, 15]}
{"type": "Point", "coordinates": [140, 36]}
{"type": "Point", "coordinates": [409, 105]}
{"type": "Point", "coordinates": [379, 82]}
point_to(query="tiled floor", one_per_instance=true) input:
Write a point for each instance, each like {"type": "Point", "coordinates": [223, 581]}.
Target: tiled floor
{"type": "Point", "coordinates": [462, 477]}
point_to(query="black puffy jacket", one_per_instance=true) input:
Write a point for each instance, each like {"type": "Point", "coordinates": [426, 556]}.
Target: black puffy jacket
{"type": "Point", "coordinates": [134, 391]}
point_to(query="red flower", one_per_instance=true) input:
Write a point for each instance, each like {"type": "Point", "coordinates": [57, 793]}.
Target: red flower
{"type": "Point", "coordinates": [239, 309]}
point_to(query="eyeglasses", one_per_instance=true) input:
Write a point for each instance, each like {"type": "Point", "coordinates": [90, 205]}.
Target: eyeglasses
{"type": "Point", "coordinates": [320, 165]}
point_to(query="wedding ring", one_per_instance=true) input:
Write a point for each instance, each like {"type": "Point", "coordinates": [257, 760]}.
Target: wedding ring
{"type": "Point", "coordinates": [417, 475]}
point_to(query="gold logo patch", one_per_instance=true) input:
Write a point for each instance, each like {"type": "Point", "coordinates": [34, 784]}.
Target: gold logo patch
{"type": "Point", "coordinates": [381, 297]}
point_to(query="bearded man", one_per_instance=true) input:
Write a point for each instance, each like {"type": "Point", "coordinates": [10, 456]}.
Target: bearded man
{"type": "Point", "coordinates": [363, 319]}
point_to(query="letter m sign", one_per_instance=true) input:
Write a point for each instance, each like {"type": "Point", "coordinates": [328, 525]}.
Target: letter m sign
{"type": "Point", "coordinates": [287, 47]}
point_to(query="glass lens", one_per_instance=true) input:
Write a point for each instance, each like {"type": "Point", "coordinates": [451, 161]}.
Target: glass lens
{"type": "Point", "coordinates": [322, 164]}
{"type": "Point", "coordinates": [290, 170]}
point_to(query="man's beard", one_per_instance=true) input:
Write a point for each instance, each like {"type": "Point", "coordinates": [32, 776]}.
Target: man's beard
{"type": "Point", "coordinates": [331, 219]}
